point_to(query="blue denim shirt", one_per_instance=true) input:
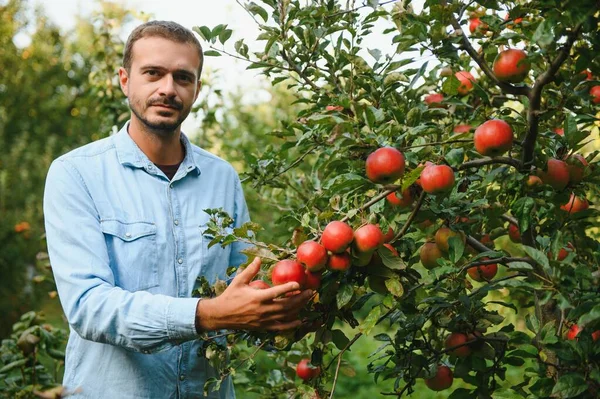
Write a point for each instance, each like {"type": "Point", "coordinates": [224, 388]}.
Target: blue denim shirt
{"type": "Point", "coordinates": [126, 246]}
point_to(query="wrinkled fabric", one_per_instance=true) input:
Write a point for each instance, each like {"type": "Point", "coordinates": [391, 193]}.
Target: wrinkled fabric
{"type": "Point", "coordinates": [126, 247]}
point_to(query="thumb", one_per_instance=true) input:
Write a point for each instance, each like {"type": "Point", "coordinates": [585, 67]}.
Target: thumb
{"type": "Point", "coordinates": [246, 275]}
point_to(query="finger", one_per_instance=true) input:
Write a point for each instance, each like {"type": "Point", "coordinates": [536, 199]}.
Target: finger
{"type": "Point", "coordinates": [299, 300]}
{"type": "Point", "coordinates": [246, 275]}
{"type": "Point", "coordinates": [279, 290]}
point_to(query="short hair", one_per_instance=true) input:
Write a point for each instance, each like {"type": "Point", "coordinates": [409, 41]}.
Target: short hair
{"type": "Point", "coordinates": [166, 29]}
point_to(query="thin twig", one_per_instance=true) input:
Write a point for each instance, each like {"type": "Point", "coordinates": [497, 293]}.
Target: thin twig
{"type": "Point", "coordinates": [437, 143]}
{"type": "Point", "coordinates": [339, 355]}
{"type": "Point", "coordinates": [411, 217]}
{"type": "Point", "coordinates": [490, 161]}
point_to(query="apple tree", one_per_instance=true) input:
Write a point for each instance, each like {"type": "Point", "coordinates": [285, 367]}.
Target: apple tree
{"type": "Point", "coordinates": [439, 181]}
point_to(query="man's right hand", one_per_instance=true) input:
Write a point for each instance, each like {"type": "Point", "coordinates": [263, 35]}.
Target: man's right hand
{"type": "Point", "coordinates": [241, 307]}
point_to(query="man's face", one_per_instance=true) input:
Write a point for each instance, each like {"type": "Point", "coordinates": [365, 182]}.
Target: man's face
{"type": "Point", "coordinates": [162, 84]}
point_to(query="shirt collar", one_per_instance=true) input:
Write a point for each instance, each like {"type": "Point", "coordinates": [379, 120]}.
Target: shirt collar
{"type": "Point", "coordinates": [130, 154]}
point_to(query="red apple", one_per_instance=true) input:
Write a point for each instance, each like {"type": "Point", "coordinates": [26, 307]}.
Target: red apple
{"type": "Point", "coordinates": [573, 332]}
{"type": "Point", "coordinates": [456, 339]}
{"type": "Point", "coordinates": [389, 236]}
{"type": "Point", "coordinates": [334, 108]}
{"type": "Point", "coordinates": [307, 371]}
{"type": "Point", "coordinates": [483, 272]}
{"type": "Point", "coordinates": [429, 254]}
{"type": "Point", "coordinates": [511, 66]}
{"type": "Point", "coordinates": [442, 236]}
{"type": "Point", "coordinates": [368, 238]}
{"type": "Point", "coordinates": [340, 262]}
{"type": "Point", "coordinates": [588, 75]}
{"type": "Point", "coordinates": [595, 93]}
{"type": "Point", "coordinates": [562, 253]}
{"type": "Point", "coordinates": [466, 82]}
{"type": "Point", "coordinates": [493, 138]}
{"type": "Point", "coordinates": [434, 100]}
{"type": "Point", "coordinates": [442, 379]}
{"type": "Point", "coordinates": [459, 129]}
{"type": "Point", "coordinates": [385, 165]}
{"type": "Point", "coordinates": [393, 250]}
{"type": "Point", "coordinates": [533, 181]}
{"type": "Point", "coordinates": [513, 233]}
{"type": "Point", "coordinates": [577, 165]}
{"type": "Point", "coordinates": [575, 205]}
{"type": "Point", "coordinates": [337, 236]}
{"type": "Point", "coordinates": [486, 240]}
{"type": "Point", "coordinates": [476, 25]}
{"type": "Point", "coordinates": [405, 199]}
{"type": "Point", "coordinates": [313, 280]}
{"type": "Point", "coordinates": [557, 174]}
{"type": "Point", "coordinates": [516, 21]}
{"type": "Point", "coordinates": [312, 255]}
{"type": "Point", "coordinates": [259, 285]}
{"type": "Point", "coordinates": [560, 131]}
{"type": "Point", "coordinates": [437, 179]}
{"type": "Point", "coordinates": [288, 270]}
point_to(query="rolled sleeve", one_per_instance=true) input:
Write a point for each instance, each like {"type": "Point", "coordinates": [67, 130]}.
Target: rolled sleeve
{"type": "Point", "coordinates": [181, 318]}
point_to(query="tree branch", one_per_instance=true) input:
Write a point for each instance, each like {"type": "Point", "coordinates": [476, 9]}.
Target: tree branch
{"type": "Point", "coordinates": [490, 161]}
{"type": "Point", "coordinates": [339, 355]}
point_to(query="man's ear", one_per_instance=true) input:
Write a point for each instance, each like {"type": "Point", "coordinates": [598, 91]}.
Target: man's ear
{"type": "Point", "coordinates": [123, 80]}
{"type": "Point", "coordinates": [199, 86]}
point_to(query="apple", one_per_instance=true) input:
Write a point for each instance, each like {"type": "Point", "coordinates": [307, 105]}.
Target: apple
{"type": "Point", "coordinates": [456, 339]}
{"type": "Point", "coordinates": [596, 335]}
{"type": "Point", "coordinates": [434, 100]}
{"type": "Point", "coordinates": [337, 236]}
{"type": "Point", "coordinates": [389, 236]}
{"type": "Point", "coordinates": [466, 82]}
{"type": "Point", "coordinates": [511, 66]}
{"type": "Point", "coordinates": [437, 179]}
{"type": "Point", "coordinates": [476, 25]}
{"type": "Point", "coordinates": [577, 165]}
{"type": "Point", "coordinates": [516, 21]}
{"type": "Point", "coordinates": [560, 131]}
{"type": "Point", "coordinates": [340, 262]}
{"type": "Point", "coordinates": [483, 272]}
{"type": "Point", "coordinates": [312, 255]}
{"type": "Point", "coordinates": [595, 93]}
{"type": "Point", "coordinates": [307, 371]}
{"type": "Point", "coordinates": [288, 270]}
{"type": "Point", "coordinates": [533, 181]}
{"type": "Point", "coordinates": [393, 250]}
{"type": "Point", "coordinates": [493, 138]}
{"type": "Point", "coordinates": [514, 233]}
{"type": "Point", "coordinates": [405, 199]}
{"type": "Point", "coordinates": [429, 254]}
{"type": "Point", "coordinates": [313, 280]}
{"type": "Point", "coordinates": [575, 205]}
{"type": "Point", "coordinates": [385, 165]}
{"type": "Point", "coordinates": [557, 174]}
{"type": "Point", "coordinates": [486, 240]}
{"type": "Point", "coordinates": [588, 75]}
{"type": "Point", "coordinates": [259, 285]}
{"type": "Point", "coordinates": [442, 236]}
{"type": "Point", "coordinates": [573, 332]}
{"type": "Point", "coordinates": [368, 238]}
{"type": "Point", "coordinates": [460, 129]}
{"type": "Point", "coordinates": [334, 108]}
{"type": "Point", "coordinates": [445, 72]}
{"type": "Point", "coordinates": [442, 380]}
{"type": "Point", "coordinates": [562, 253]}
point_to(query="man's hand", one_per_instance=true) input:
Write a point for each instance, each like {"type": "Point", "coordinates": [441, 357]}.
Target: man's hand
{"type": "Point", "coordinates": [242, 307]}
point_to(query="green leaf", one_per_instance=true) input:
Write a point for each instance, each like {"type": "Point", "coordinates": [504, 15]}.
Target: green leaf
{"type": "Point", "coordinates": [548, 334]}
{"type": "Point", "coordinates": [13, 365]}
{"type": "Point", "coordinates": [255, 9]}
{"type": "Point", "coordinates": [461, 393]}
{"type": "Point", "coordinates": [520, 266]}
{"type": "Point", "coordinates": [344, 295]}
{"type": "Point", "coordinates": [569, 386]}
{"type": "Point", "coordinates": [532, 323]}
{"type": "Point", "coordinates": [591, 316]}
{"type": "Point", "coordinates": [538, 256]}
{"type": "Point", "coordinates": [455, 156]}
{"type": "Point", "coordinates": [339, 339]}
{"type": "Point", "coordinates": [375, 53]}
{"type": "Point", "coordinates": [543, 34]}
{"type": "Point", "coordinates": [523, 210]}
{"type": "Point", "coordinates": [451, 85]}
{"type": "Point", "coordinates": [212, 53]}
{"type": "Point", "coordinates": [456, 248]}
{"type": "Point", "coordinates": [370, 321]}
{"type": "Point", "coordinates": [394, 286]}
{"type": "Point", "coordinates": [224, 35]}
{"type": "Point", "coordinates": [203, 31]}
{"type": "Point", "coordinates": [390, 260]}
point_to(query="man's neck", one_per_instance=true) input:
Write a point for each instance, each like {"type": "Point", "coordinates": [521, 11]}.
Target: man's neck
{"type": "Point", "coordinates": [161, 150]}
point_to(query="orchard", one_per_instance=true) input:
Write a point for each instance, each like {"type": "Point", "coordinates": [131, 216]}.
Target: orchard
{"type": "Point", "coordinates": [446, 144]}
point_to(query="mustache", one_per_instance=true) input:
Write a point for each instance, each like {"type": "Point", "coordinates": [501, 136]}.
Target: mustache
{"type": "Point", "coordinates": [166, 102]}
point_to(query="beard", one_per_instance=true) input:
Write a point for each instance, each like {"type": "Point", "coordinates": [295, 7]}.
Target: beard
{"type": "Point", "coordinates": [161, 128]}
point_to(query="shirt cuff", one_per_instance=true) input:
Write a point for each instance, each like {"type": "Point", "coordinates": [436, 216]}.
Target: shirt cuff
{"type": "Point", "coordinates": [181, 318]}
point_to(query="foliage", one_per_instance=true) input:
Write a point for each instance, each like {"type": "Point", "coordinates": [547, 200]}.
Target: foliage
{"type": "Point", "coordinates": [355, 99]}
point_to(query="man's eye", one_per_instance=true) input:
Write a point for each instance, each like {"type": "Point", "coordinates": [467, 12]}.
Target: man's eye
{"type": "Point", "coordinates": [184, 78]}
{"type": "Point", "coordinates": [152, 73]}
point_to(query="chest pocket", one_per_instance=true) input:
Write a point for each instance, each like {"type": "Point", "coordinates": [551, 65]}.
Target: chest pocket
{"type": "Point", "coordinates": [133, 253]}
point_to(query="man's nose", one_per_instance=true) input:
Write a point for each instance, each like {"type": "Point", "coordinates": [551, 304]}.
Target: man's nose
{"type": "Point", "coordinates": [167, 86]}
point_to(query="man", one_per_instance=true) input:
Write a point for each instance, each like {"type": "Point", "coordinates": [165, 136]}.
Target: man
{"type": "Point", "coordinates": [124, 223]}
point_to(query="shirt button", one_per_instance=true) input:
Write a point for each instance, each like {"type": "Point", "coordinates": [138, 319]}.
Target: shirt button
{"type": "Point", "coordinates": [182, 377]}
{"type": "Point", "coordinates": [171, 185]}
{"type": "Point", "coordinates": [180, 261]}
{"type": "Point", "coordinates": [150, 167]}
{"type": "Point", "coordinates": [128, 235]}
{"type": "Point", "coordinates": [176, 222]}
